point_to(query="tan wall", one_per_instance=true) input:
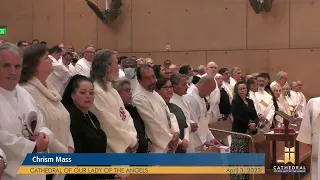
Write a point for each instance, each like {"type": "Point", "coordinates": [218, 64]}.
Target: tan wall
{"type": "Point", "coordinates": [198, 31]}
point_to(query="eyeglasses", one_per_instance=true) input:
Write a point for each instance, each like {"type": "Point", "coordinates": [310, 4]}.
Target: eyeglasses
{"type": "Point", "coordinates": [167, 87]}
{"type": "Point", "coordinates": [128, 90]}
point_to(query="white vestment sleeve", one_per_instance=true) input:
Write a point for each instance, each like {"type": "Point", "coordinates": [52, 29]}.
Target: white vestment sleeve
{"type": "Point", "coordinates": [186, 133]}
{"type": "Point", "coordinates": [158, 134]}
{"type": "Point", "coordinates": [61, 71]}
{"type": "Point", "coordinates": [305, 132]}
{"type": "Point", "coordinates": [17, 148]}
{"type": "Point", "coordinates": [270, 114]}
{"type": "Point", "coordinates": [119, 137]}
{"type": "Point", "coordinates": [174, 123]}
{"type": "Point", "coordinates": [209, 135]}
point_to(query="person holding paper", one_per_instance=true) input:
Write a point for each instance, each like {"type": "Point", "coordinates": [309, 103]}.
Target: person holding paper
{"type": "Point", "coordinates": [165, 90]}
{"type": "Point", "coordinates": [161, 125]}
{"type": "Point", "coordinates": [309, 133]}
{"type": "Point", "coordinates": [22, 127]}
{"type": "Point", "coordinates": [108, 106]}
{"type": "Point", "coordinates": [245, 122]}
{"type": "Point", "coordinates": [198, 111]}
{"type": "Point", "coordinates": [266, 105]}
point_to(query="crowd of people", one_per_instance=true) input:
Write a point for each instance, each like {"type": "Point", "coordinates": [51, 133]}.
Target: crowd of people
{"type": "Point", "coordinates": [56, 102]}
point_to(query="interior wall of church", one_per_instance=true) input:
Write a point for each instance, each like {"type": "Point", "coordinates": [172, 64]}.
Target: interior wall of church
{"type": "Point", "coordinates": [198, 31]}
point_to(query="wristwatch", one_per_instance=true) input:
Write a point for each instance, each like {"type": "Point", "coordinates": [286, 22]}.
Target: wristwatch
{"type": "Point", "coordinates": [5, 163]}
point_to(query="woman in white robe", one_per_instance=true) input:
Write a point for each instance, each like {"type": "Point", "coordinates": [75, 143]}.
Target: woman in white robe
{"type": "Point", "coordinates": [37, 66]}
{"type": "Point", "coordinates": [108, 106]}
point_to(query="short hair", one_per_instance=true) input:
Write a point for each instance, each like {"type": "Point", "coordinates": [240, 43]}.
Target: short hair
{"type": "Point", "coordinates": [71, 88]}
{"type": "Point", "coordinates": [234, 70]}
{"type": "Point", "coordinates": [121, 58]}
{"type": "Point", "coordinates": [176, 77]}
{"type": "Point", "coordinates": [142, 67]}
{"type": "Point", "coordinates": [250, 81]}
{"type": "Point", "coordinates": [43, 42]}
{"type": "Point", "coordinates": [21, 42]}
{"type": "Point", "coordinates": [201, 69]}
{"type": "Point", "coordinates": [55, 49]}
{"type": "Point", "coordinates": [31, 60]}
{"type": "Point", "coordinates": [68, 53]}
{"type": "Point", "coordinates": [148, 59]}
{"type": "Point", "coordinates": [124, 61]}
{"type": "Point", "coordinates": [101, 63]}
{"type": "Point", "coordinates": [275, 86]}
{"type": "Point", "coordinates": [90, 45]}
{"type": "Point", "coordinates": [280, 74]}
{"type": "Point", "coordinates": [265, 75]}
{"type": "Point", "coordinates": [185, 69]}
{"type": "Point", "coordinates": [117, 85]}
{"type": "Point", "coordinates": [35, 40]}
{"type": "Point", "coordinates": [161, 82]}
{"type": "Point", "coordinates": [223, 70]}
{"type": "Point", "coordinates": [12, 49]}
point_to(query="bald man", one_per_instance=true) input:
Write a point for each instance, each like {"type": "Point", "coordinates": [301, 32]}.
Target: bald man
{"type": "Point", "coordinates": [199, 113]}
{"type": "Point", "coordinates": [281, 79]}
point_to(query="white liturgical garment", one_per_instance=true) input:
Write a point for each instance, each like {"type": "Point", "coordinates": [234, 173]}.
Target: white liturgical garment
{"type": "Point", "coordinates": [83, 67]}
{"type": "Point", "coordinates": [198, 113]}
{"type": "Point", "coordinates": [177, 100]}
{"type": "Point", "coordinates": [18, 109]}
{"type": "Point", "coordinates": [115, 120]}
{"type": "Point", "coordinates": [266, 108]}
{"type": "Point", "coordinates": [310, 132]}
{"type": "Point", "coordinates": [160, 123]}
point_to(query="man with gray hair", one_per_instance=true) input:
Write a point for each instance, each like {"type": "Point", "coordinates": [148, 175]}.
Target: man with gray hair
{"type": "Point", "coordinates": [201, 70]}
{"type": "Point", "coordinates": [235, 75]}
{"type": "Point", "coordinates": [281, 79]}
{"type": "Point", "coordinates": [19, 112]}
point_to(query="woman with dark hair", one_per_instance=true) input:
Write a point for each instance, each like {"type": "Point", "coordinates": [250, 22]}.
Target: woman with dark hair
{"type": "Point", "coordinates": [108, 106]}
{"type": "Point", "coordinates": [245, 120]}
{"type": "Point", "coordinates": [165, 90]}
{"type": "Point", "coordinates": [36, 68]}
{"type": "Point", "coordinates": [85, 127]}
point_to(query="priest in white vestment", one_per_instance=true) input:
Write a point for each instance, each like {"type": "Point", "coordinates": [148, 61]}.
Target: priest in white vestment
{"type": "Point", "coordinates": [281, 79]}
{"type": "Point", "coordinates": [180, 86]}
{"type": "Point", "coordinates": [235, 76]}
{"type": "Point", "coordinates": [19, 135]}
{"type": "Point", "coordinates": [83, 65]}
{"type": "Point", "coordinates": [226, 82]}
{"type": "Point", "coordinates": [160, 124]}
{"type": "Point", "coordinates": [309, 134]}
{"type": "Point", "coordinates": [266, 106]}
{"type": "Point", "coordinates": [108, 106]}
{"type": "Point", "coordinates": [61, 73]}
{"type": "Point", "coordinates": [296, 100]}
{"type": "Point", "coordinates": [199, 114]}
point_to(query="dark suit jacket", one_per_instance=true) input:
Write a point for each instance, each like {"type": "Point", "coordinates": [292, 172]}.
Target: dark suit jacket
{"type": "Point", "coordinates": [87, 139]}
{"type": "Point", "coordinates": [140, 128]}
{"type": "Point", "coordinates": [224, 105]}
{"type": "Point", "coordinates": [242, 114]}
